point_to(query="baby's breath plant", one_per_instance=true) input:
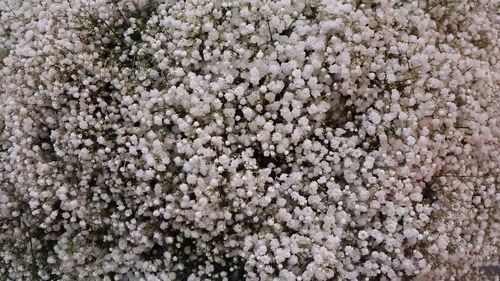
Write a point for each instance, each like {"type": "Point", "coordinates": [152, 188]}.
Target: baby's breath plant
{"type": "Point", "coordinates": [249, 139]}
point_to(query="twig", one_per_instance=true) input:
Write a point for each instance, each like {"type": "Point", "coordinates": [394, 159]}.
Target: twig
{"type": "Point", "coordinates": [33, 258]}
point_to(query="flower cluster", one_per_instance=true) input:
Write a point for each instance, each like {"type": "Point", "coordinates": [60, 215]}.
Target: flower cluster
{"type": "Point", "coordinates": [249, 139]}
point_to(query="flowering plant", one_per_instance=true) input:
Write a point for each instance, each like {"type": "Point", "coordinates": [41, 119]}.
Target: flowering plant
{"type": "Point", "coordinates": [249, 139]}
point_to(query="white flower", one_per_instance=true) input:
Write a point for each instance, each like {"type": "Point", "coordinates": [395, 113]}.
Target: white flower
{"type": "Point", "coordinates": [375, 117]}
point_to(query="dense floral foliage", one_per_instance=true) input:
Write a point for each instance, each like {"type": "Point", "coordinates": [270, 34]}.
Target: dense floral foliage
{"type": "Point", "coordinates": [249, 139]}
